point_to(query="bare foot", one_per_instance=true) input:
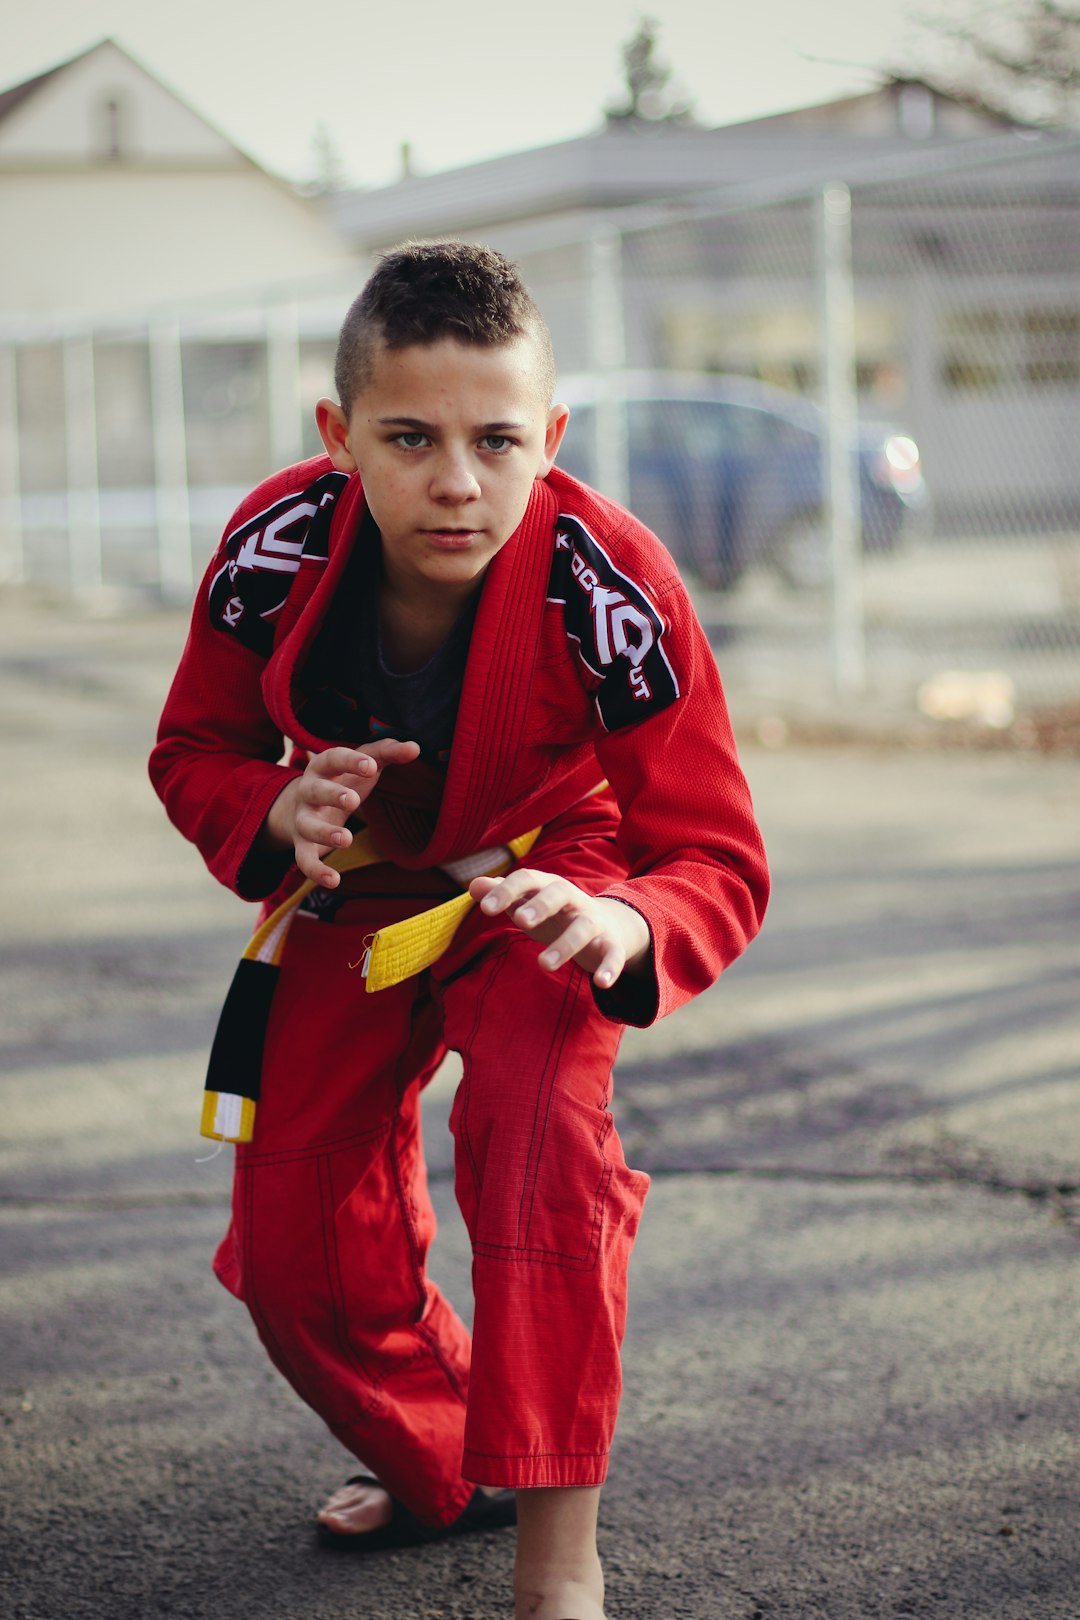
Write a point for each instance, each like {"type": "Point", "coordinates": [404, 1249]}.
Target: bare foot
{"type": "Point", "coordinates": [355, 1509]}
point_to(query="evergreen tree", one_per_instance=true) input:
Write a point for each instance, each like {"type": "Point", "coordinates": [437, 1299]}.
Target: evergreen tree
{"type": "Point", "coordinates": [650, 97]}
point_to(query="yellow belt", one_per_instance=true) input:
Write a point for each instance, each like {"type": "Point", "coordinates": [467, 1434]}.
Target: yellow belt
{"type": "Point", "coordinates": [403, 948]}
{"type": "Point", "coordinates": [396, 952]}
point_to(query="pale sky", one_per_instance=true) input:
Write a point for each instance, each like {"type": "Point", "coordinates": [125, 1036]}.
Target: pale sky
{"type": "Point", "coordinates": [460, 80]}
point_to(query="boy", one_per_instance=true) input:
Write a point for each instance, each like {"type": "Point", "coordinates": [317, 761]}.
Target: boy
{"type": "Point", "coordinates": [471, 655]}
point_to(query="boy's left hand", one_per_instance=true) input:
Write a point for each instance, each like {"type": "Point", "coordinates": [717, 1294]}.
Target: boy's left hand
{"type": "Point", "coordinates": [604, 937]}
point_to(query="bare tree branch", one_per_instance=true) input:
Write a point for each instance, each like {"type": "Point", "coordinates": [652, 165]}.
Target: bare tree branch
{"type": "Point", "coordinates": [1022, 57]}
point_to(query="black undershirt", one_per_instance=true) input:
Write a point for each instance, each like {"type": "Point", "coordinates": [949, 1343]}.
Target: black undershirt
{"type": "Point", "coordinates": [353, 695]}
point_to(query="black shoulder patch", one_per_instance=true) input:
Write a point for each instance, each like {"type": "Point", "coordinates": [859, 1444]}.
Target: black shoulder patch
{"type": "Point", "coordinates": [618, 632]}
{"type": "Point", "coordinates": [260, 560]}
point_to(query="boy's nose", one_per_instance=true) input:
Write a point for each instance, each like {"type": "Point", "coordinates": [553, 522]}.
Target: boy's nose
{"type": "Point", "coordinates": [453, 481]}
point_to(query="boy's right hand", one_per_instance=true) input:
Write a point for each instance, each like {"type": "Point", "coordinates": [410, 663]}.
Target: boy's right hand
{"type": "Point", "coordinates": [309, 815]}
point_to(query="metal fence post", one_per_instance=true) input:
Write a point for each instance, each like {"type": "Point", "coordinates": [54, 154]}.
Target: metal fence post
{"type": "Point", "coordinates": [83, 502]}
{"type": "Point", "coordinates": [837, 303]}
{"type": "Point", "coordinates": [12, 556]}
{"type": "Point", "coordinates": [607, 359]}
{"type": "Point", "coordinates": [175, 575]}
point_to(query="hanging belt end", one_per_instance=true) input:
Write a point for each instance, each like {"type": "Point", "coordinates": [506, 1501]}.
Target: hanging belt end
{"type": "Point", "coordinates": [227, 1117]}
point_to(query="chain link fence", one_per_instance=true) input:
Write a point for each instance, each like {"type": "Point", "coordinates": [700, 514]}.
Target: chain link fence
{"type": "Point", "coordinates": [852, 413]}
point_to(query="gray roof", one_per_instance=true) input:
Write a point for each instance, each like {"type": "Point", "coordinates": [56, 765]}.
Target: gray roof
{"type": "Point", "coordinates": [629, 162]}
{"type": "Point", "coordinates": [613, 170]}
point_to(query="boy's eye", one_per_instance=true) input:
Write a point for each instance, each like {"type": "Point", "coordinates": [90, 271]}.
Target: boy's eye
{"type": "Point", "coordinates": [496, 441]}
{"type": "Point", "coordinates": [411, 441]}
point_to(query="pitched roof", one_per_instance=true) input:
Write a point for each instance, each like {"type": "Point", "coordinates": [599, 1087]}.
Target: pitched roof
{"type": "Point", "coordinates": [17, 95]}
{"type": "Point", "coordinates": [10, 99]}
{"type": "Point", "coordinates": [890, 88]}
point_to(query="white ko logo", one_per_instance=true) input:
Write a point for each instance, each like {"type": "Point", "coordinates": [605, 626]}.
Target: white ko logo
{"type": "Point", "coordinates": [270, 548]}
{"type": "Point", "coordinates": [615, 625]}
{"type": "Point", "coordinates": [620, 630]}
{"type": "Point", "coordinates": [259, 560]}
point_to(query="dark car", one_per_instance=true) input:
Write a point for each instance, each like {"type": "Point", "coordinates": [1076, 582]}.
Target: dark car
{"type": "Point", "coordinates": [729, 473]}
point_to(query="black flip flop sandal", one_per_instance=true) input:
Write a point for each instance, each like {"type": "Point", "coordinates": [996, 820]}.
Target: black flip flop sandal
{"type": "Point", "coordinates": [481, 1512]}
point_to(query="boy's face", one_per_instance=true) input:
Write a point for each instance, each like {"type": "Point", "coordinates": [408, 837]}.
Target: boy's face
{"type": "Point", "coordinates": [448, 439]}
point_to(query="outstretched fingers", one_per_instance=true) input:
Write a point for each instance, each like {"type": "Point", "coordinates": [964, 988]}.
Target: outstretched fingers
{"type": "Point", "coordinates": [334, 785]}
{"type": "Point", "coordinates": [360, 768]}
{"type": "Point", "coordinates": [571, 924]}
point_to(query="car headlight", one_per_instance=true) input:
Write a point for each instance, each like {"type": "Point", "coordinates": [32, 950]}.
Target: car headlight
{"type": "Point", "coordinates": [898, 464]}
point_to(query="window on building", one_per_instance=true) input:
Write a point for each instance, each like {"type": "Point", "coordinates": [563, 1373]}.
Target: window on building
{"type": "Point", "coordinates": [781, 344]}
{"type": "Point", "coordinates": [1051, 341]}
{"type": "Point", "coordinates": [112, 132]}
{"type": "Point", "coordinates": [995, 350]}
{"type": "Point", "coordinates": [974, 350]}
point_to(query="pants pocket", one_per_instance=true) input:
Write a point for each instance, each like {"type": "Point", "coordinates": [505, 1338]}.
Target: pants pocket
{"type": "Point", "coordinates": [531, 1122]}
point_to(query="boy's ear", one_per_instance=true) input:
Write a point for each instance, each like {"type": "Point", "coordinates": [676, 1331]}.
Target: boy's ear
{"type": "Point", "coordinates": [558, 417]}
{"type": "Point", "coordinates": [333, 427]}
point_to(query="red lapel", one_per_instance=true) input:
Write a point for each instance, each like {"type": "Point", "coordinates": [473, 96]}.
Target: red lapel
{"type": "Point", "coordinates": [494, 698]}
{"type": "Point", "coordinates": [498, 681]}
{"type": "Point", "coordinates": [304, 611]}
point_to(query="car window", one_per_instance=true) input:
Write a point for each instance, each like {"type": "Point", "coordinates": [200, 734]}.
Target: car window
{"type": "Point", "coordinates": [792, 438]}
{"type": "Point", "coordinates": [753, 428]}
{"type": "Point", "coordinates": [688, 427]}
{"type": "Point", "coordinates": [699, 430]}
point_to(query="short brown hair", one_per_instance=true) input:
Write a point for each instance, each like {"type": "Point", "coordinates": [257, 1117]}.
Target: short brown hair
{"type": "Point", "coordinates": [422, 292]}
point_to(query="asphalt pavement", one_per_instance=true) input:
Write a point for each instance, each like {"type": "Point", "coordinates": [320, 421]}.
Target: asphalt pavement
{"type": "Point", "coordinates": [852, 1375]}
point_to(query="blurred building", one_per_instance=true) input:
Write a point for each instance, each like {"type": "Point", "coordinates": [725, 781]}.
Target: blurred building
{"type": "Point", "coordinates": [965, 264]}
{"type": "Point", "coordinates": [573, 184]}
{"type": "Point", "coordinates": [147, 295]}
{"type": "Point", "coordinates": [168, 310]}
{"type": "Point", "coordinates": [115, 197]}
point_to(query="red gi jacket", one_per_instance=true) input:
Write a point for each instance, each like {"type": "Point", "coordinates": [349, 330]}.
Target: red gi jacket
{"type": "Point", "coordinates": [586, 661]}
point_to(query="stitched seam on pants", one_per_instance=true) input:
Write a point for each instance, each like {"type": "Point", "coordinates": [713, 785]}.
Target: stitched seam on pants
{"type": "Point", "coordinates": [297, 1155]}
{"type": "Point", "coordinates": [541, 1112]}
{"type": "Point", "coordinates": [376, 1382]}
{"type": "Point", "coordinates": [471, 1451]}
{"type": "Point", "coordinates": [450, 1372]}
{"type": "Point", "coordinates": [553, 1257]}
{"type": "Point", "coordinates": [497, 960]}
{"type": "Point", "coordinates": [405, 1212]}
{"type": "Point", "coordinates": [521, 1249]}
{"type": "Point", "coordinates": [336, 1288]}
{"type": "Point", "coordinates": [251, 1298]}
{"type": "Point", "coordinates": [429, 1341]}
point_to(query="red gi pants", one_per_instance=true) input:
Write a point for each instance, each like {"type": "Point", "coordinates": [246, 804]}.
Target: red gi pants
{"type": "Point", "coordinates": [332, 1219]}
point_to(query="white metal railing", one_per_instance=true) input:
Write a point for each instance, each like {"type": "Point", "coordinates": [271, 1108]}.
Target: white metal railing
{"type": "Point", "coordinates": [968, 261]}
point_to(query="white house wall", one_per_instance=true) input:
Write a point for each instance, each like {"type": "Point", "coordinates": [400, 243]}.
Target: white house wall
{"type": "Point", "coordinates": [135, 240]}
{"type": "Point", "coordinates": [1011, 446]}
{"type": "Point", "coordinates": [65, 120]}
{"type": "Point", "coordinates": [115, 198]}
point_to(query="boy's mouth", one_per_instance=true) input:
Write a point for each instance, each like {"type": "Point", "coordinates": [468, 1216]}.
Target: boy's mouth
{"type": "Point", "coordinates": [452, 537]}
